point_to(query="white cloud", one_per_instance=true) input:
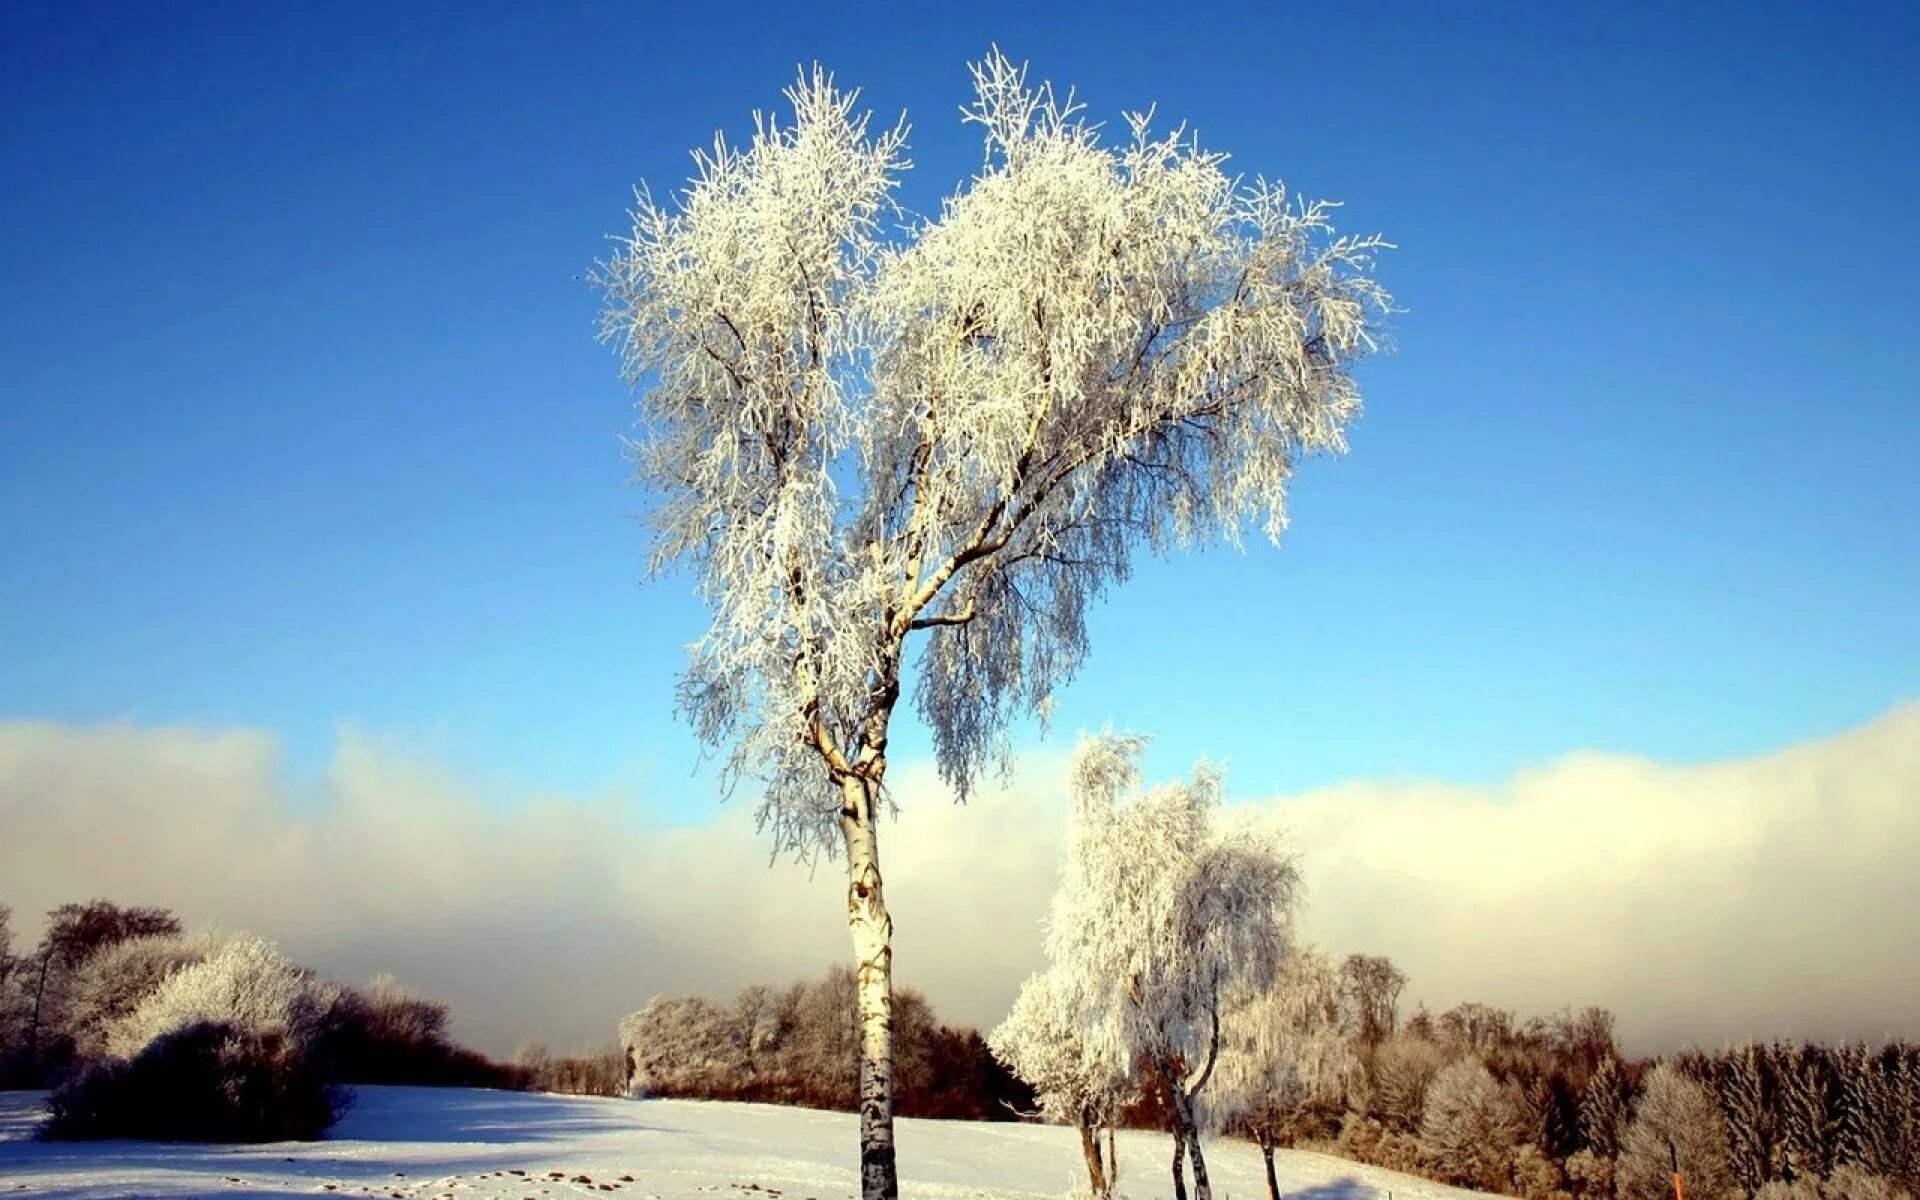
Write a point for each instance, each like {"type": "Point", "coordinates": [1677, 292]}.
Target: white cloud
{"type": "Point", "coordinates": [1770, 896]}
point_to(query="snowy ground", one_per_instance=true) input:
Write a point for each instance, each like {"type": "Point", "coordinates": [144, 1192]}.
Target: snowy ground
{"type": "Point", "coordinates": [435, 1144]}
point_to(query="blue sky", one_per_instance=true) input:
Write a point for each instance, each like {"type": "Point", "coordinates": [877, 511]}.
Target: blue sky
{"type": "Point", "coordinates": [303, 425]}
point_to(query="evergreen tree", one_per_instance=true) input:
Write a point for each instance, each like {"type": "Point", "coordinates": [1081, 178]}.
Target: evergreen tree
{"type": "Point", "coordinates": [1604, 1109]}
{"type": "Point", "coordinates": [1740, 1081]}
{"type": "Point", "coordinates": [1804, 1083]}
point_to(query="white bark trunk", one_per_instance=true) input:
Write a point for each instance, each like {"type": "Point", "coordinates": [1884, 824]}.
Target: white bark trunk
{"type": "Point", "coordinates": [872, 930]}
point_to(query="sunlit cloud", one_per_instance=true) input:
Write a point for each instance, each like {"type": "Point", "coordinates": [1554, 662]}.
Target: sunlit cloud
{"type": "Point", "coordinates": [1768, 896]}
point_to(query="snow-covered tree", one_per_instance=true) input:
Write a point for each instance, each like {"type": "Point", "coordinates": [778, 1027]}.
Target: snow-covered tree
{"type": "Point", "coordinates": [1470, 1125]}
{"type": "Point", "coordinates": [1078, 1082]}
{"type": "Point", "coordinates": [1875, 1129]}
{"type": "Point", "coordinates": [1282, 1053]}
{"type": "Point", "coordinates": [1371, 986]}
{"type": "Point", "coordinates": [1606, 1108]}
{"type": "Point", "coordinates": [1806, 1091]}
{"type": "Point", "coordinates": [1675, 1122]}
{"type": "Point", "coordinates": [1739, 1082]}
{"type": "Point", "coordinates": [1161, 921]}
{"type": "Point", "coordinates": [961, 432]}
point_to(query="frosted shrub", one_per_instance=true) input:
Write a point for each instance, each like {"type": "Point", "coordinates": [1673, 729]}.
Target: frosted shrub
{"type": "Point", "coordinates": [386, 1033]}
{"type": "Point", "coordinates": [206, 1082]}
{"type": "Point", "coordinates": [117, 980]}
{"type": "Point", "coordinates": [683, 1045]}
{"type": "Point", "coordinates": [1850, 1182]}
{"type": "Point", "coordinates": [1470, 1125]}
{"type": "Point", "coordinates": [1675, 1117]}
{"type": "Point", "coordinates": [246, 984]}
{"type": "Point", "coordinates": [1590, 1174]}
{"type": "Point", "coordinates": [1534, 1175]}
{"type": "Point", "coordinates": [1854, 1182]}
{"type": "Point", "coordinates": [1403, 1067]}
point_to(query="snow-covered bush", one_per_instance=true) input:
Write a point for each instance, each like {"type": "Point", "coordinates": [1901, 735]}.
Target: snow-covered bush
{"type": "Point", "coordinates": [1403, 1067]}
{"type": "Point", "coordinates": [682, 1045]}
{"type": "Point", "coordinates": [1590, 1174]}
{"type": "Point", "coordinates": [117, 980]}
{"type": "Point", "coordinates": [1533, 1175]}
{"type": "Point", "coordinates": [204, 1082]}
{"type": "Point", "coordinates": [1675, 1120]}
{"type": "Point", "coordinates": [246, 984]}
{"type": "Point", "coordinates": [220, 1049]}
{"type": "Point", "coordinates": [1470, 1125]}
{"type": "Point", "coordinates": [1853, 1182]}
{"type": "Point", "coordinates": [1849, 1182]}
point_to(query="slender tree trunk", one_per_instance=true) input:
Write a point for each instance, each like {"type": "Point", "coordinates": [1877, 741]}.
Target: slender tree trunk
{"type": "Point", "coordinates": [1202, 1190]}
{"type": "Point", "coordinates": [872, 931]}
{"type": "Point", "coordinates": [1113, 1161]}
{"type": "Point", "coordinates": [1273, 1184]}
{"type": "Point", "coordinates": [39, 996]}
{"type": "Point", "coordinates": [1179, 1164]}
{"type": "Point", "coordinates": [1189, 1133]}
{"type": "Point", "coordinates": [1090, 1149]}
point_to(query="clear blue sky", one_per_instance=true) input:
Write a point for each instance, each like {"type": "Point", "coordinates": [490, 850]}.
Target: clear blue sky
{"type": "Point", "coordinates": [302, 422]}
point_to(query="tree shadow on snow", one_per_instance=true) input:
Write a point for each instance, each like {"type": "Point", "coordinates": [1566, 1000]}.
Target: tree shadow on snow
{"type": "Point", "coordinates": [1349, 1188]}
{"type": "Point", "coordinates": [518, 1124]}
{"type": "Point", "coordinates": [467, 1116]}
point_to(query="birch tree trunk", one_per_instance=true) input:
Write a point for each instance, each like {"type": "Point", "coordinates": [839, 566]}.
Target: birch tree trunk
{"type": "Point", "coordinates": [1202, 1189]}
{"type": "Point", "coordinates": [872, 931]}
{"type": "Point", "coordinates": [1179, 1164]}
{"type": "Point", "coordinates": [1090, 1149]}
{"type": "Point", "coordinates": [1189, 1133]}
{"type": "Point", "coordinates": [1273, 1184]}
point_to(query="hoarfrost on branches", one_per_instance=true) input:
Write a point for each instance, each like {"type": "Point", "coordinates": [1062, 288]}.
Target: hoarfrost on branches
{"type": "Point", "coordinates": [1163, 922]}
{"type": "Point", "coordinates": [963, 428]}
{"type": "Point", "coordinates": [246, 983]}
{"type": "Point", "coordinates": [861, 425]}
{"type": "Point", "coordinates": [1041, 1042]}
{"type": "Point", "coordinates": [1283, 1050]}
{"type": "Point", "coordinates": [1676, 1126]}
{"type": "Point", "coordinates": [1283, 1055]}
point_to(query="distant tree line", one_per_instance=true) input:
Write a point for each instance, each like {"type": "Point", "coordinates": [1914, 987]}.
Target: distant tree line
{"type": "Point", "coordinates": [144, 1030]}
{"type": "Point", "coordinates": [1175, 996]}
{"type": "Point", "coordinates": [1548, 1108]}
{"type": "Point", "coordinates": [798, 1044]}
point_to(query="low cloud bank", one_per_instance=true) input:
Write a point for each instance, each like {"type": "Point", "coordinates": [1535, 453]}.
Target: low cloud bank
{"type": "Point", "coordinates": [1769, 896]}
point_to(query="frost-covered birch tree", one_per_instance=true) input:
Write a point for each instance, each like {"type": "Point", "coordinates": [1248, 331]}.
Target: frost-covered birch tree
{"type": "Point", "coordinates": [863, 430]}
{"type": "Point", "coordinates": [1162, 920]}
{"type": "Point", "coordinates": [1080, 1081]}
{"type": "Point", "coordinates": [1283, 1052]}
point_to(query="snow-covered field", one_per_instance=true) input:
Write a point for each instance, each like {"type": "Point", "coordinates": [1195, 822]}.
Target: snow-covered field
{"type": "Point", "coordinates": [426, 1143]}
